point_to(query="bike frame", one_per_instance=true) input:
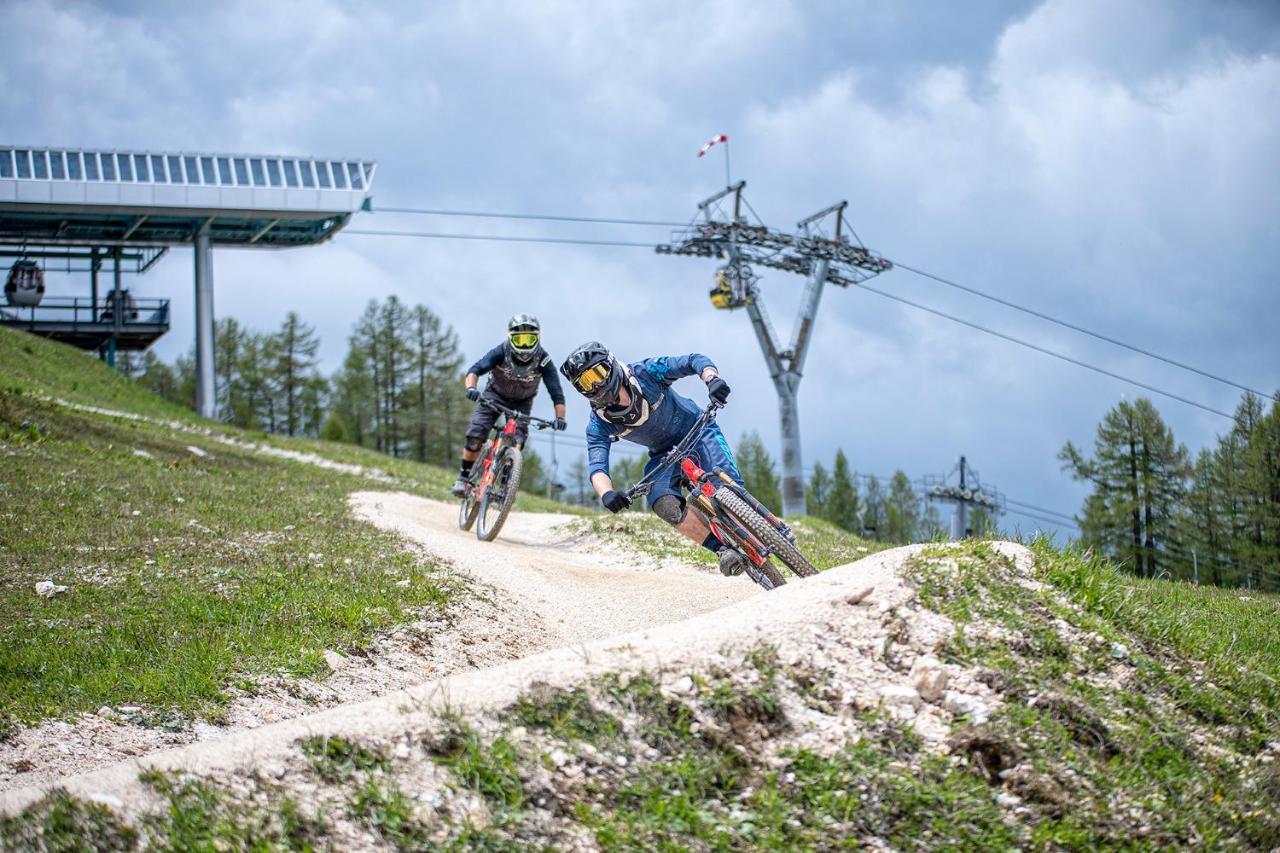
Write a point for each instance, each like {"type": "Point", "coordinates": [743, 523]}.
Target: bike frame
{"type": "Point", "coordinates": [505, 437]}
{"type": "Point", "coordinates": [701, 486]}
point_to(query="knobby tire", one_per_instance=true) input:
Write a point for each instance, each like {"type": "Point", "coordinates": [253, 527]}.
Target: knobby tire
{"type": "Point", "coordinates": [507, 477]}
{"type": "Point", "coordinates": [750, 519]}
{"type": "Point", "coordinates": [778, 544]}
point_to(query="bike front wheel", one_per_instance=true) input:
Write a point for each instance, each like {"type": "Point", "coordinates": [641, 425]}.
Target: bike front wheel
{"type": "Point", "coordinates": [777, 544]}
{"type": "Point", "coordinates": [470, 508]}
{"type": "Point", "coordinates": [496, 501]}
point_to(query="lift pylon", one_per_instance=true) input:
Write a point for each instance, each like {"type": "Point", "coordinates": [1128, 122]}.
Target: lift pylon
{"type": "Point", "coordinates": [724, 233]}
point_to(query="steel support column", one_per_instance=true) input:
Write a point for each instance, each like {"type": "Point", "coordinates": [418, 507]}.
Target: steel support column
{"type": "Point", "coordinates": [206, 399]}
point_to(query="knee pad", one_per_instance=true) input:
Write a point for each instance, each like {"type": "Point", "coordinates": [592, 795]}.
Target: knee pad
{"type": "Point", "coordinates": [474, 443]}
{"type": "Point", "coordinates": [670, 509]}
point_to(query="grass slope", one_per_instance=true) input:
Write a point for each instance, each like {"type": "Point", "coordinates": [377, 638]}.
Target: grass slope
{"type": "Point", "coordinates": [186, 569]}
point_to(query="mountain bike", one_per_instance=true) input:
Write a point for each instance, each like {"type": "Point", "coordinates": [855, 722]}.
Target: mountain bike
{"type": "Point", "coordinates": [495, 476]}
{"type": "Point", "coordinates": [734, 516]}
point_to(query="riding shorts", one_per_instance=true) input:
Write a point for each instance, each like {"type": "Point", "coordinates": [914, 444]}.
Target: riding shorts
{"type": "Point", "coordinates": [483, 419]}
{"type": "Point", "coordinates": [711, 452]}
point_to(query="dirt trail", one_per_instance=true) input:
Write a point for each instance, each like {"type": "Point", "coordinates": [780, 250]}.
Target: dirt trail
{"type": "Point", "coordinates": [540, 586]}
{"type": "Point", "coordinates": [580, 590]}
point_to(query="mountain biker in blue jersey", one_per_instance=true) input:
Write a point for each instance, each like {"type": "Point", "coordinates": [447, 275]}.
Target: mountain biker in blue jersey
{"type": "Point", "coordinates": [516, 366]}
{"type": "Point", "coordinates": [636, 402]}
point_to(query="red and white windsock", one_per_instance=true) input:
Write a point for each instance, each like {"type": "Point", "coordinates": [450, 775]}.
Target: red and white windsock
{"type": "Point", "coordinates": [711, 142]}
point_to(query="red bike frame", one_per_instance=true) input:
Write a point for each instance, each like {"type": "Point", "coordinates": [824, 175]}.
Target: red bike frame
{"type": "Point", "coordinates": [704, 483]}
{"type": "Point", "coordinates": [508, 431]}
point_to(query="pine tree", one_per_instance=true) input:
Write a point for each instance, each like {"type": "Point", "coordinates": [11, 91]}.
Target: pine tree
{"type": "Point", "coordinates": [818, 492]}
{"type": "Point", "coordinates": [902, 510]}
{"type": "Point", "coordinates": [432, 399]}
{"type": "Point", "coordinates": [394, 359]}
{"type": "Point", "coordinates": [758, 471]}
{"type": "Point", "coordinates": [313, 402]}
{"type": "Point", "coordinates": [354, 398]}
{"type": "Point", "coordinates": [1203, 532]}
{"type": "Point", "coordinates": [1138, 473]}
{"type": "Point", "coordinates": [227, 340]}
{"type": "Point", "coordinates": [873, 510]}
{"type": "Point", "coordinates": [1262, 484]}
{"type": "Point", "coordinates": [842, 503]}
{"type": "Point", "coordinates": [159, 378]}
{"type": "Point", "coordinates": [294, 349]}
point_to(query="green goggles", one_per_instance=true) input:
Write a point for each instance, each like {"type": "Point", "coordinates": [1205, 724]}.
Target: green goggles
{"type": "Point", "coordinates": [524, 340]}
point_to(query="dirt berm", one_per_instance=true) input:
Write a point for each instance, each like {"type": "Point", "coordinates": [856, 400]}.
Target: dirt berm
{"type": "Point", "coordinates": [842, 622]}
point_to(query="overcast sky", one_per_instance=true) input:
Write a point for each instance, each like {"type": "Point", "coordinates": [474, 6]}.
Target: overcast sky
{"type": "Point", "coordinates": [1116, 164]}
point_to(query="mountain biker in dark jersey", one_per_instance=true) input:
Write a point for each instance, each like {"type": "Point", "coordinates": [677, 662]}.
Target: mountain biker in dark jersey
{"type": "Point", "coordinates": [636, 402]}
{"type": "Point", "coordinates": [516, 366]}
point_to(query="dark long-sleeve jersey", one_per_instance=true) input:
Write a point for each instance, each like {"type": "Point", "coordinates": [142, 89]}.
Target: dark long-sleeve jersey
{"type": "Point", "coordinates": [518, 380]}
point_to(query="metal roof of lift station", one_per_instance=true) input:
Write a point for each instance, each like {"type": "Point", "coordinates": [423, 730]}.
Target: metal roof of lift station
{"type": "Point", "coordinates": [58, 202]}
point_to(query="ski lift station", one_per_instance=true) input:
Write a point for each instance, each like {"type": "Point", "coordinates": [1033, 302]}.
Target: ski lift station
{"type": "Point", "coordinates": [120, 212]}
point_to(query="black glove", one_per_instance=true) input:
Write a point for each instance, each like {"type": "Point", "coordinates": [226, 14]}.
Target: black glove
{"type": "Point", "coordinates": [473, 394]}
{"type": "Point", "coordinates": [614, 501]}
{"type": "Point", "coordinates": [560, 425]}
{"type": "Point", "coordinates": [718, 390]}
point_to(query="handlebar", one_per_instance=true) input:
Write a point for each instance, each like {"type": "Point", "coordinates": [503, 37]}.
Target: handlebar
{"type": "Point", "coordinates": [538, 423]}
{"type": "Point", "coordinates": [679, 451]}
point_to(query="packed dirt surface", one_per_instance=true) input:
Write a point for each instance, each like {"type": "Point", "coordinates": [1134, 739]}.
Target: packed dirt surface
{"type": "Point", "coordinates": [579, 588]}
{"type": "Point", "coordinates": [539, 586]}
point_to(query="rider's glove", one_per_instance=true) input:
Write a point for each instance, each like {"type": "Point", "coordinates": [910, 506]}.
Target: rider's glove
{"type": "Point", "coordinates": [718, 390]}
{"type": "Point", "coordinates": [473, 394]}
{"type": "Point", "coordinates": [614, 501]}
{"type": "Point", "coordinates": [560, 425]}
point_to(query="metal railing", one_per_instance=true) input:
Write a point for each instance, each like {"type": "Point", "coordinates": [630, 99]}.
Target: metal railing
{"type": "Point", "coordinates": [116, 310]}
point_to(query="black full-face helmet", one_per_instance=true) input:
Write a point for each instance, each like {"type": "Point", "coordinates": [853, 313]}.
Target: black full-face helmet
{"type": "Point", "coordinates": [595, 373]}
{"type": "Point", "coordinates": [523, 332]}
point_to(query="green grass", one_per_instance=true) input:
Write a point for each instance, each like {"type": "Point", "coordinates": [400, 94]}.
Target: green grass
{"type": "Point", "coordinates": [59, 822]}
{"type": "Point", "coordinates": [1136, 718]}
{"type": "Point", "coordinates": [186, 574]}
{"type": "Point", "coordinates": [38, 366]}
{"type": "Point", "coordinates": [337, 759]}
{"type": "Point", "coordinates": [489, 769]}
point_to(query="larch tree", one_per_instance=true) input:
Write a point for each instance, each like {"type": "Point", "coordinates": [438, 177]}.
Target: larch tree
{"type": "Point", "coordinates": [1138, 474]}
{"type": "Point", "coordinates": [902, 510]}
{"type": "Point", "coordinates": [758, 471]}
{"type": "Point", "coordinates": [841, 506]}
{"type": "Point", "coordinates": [818, 491]}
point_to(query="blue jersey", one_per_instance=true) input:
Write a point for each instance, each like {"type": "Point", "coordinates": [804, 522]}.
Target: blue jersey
{"type": "Point", "coordinates": [671, 416]}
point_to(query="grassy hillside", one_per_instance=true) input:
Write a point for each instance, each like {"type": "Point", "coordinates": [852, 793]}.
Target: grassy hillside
{"type": "Point", "coordinates": [189, 563]}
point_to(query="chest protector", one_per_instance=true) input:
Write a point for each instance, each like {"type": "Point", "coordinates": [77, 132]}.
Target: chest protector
{"type": "Point", "coordinates": [516, 379]}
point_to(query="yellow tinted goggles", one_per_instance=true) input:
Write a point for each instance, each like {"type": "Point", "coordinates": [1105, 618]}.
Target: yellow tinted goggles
{"type": "Point", "coordinates": [524, 340]}
{"type": "Point", "coordinates": [592, 378]}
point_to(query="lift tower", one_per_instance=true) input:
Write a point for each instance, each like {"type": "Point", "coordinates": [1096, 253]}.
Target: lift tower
{"type": "Point", "coordinates": [968, 494]}
{"type": "Point", "coordinates": [724, 233]}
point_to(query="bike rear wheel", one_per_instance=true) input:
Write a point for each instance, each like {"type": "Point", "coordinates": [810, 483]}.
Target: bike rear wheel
{"type": "Point", "coordinates": [765, 532]}
{"type": "Point", "coordinates": [496, 501]}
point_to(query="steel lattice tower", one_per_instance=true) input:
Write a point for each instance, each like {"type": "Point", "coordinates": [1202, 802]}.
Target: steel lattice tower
{"type": "Point", "coordinates": [725, 234]}
{"type": "Point", "coordinates": [969, 493]}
